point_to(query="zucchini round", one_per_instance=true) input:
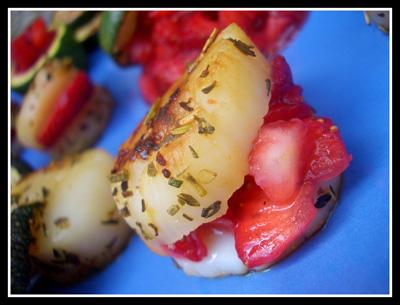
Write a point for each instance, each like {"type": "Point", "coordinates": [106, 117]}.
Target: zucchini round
{"type": "Point", "coordinates": [116, 29]}
{"type": "Point", "coordinates": [63, 45]}
{"type": "Point", "coordinates": [83, 24]}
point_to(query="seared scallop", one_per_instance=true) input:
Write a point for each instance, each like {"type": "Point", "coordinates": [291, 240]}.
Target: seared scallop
{"type": "Point", "coordinates": [181, 165]}
{"type": "Point", "coordinates": [74, 227]}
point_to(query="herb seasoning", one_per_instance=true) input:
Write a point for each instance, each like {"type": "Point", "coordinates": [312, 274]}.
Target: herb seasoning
{"type": "Point", "coordinates": [188, 199]}
{"type": "Point", "coordinates": [143, 205]}
{"type": "Point", "coordinates": [144, 233]}
{"type": "Point", "coordinates": [175, 182]}
{"type": "Point", "coordinates": [62, 222]}
{"type": "Point", "coordinates": [160, 159]}
{"type": "Point", "coordinates": [151, 170]}
{"type": "Point", "coordinates": [124, 185]}
{"type": "Point", "coordinates": [166, 173]}
{"type": "Point", "coordinates": [268, 86]}
{"type": "Point", "coordinates": [185, 106]}
{"type": "Point", "coordinates": [118, 177]}
{"type": "Point", "coordinates": [154, 227]}
{"type": "Point", "coordinates": [205, 72]}
{"type": "Point", "coordinates": [206, 176]}
{"type": "Point", "coordinates": [187, 217]}
{"type": "Point", "coordinates": [204, 126]}
{"type": "Point", "coordinates": [242, 47]}
{"type": "Point", "coordinates": [173, 209]}
{"type": "Point", "coordinates": [194, 153]}
{"type": "Point", "coordinates": [181, 130]}
{"type": "Point", "coordinates": [174, 94]}
{"type": "Point", "coordinates": [168, 139]}
{"type": "Point", "coordinates": [209, 88]}
{"type": "Point", "coordinates": [199, 188]}
{"type": "Point", "coordinates": [115, 191]}
{"type": "Point", "coordinates": [211, 210]}
{"type": "Point", "coordinates": [152, 112]}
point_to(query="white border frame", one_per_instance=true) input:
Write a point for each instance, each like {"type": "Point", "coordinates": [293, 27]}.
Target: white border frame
{"type": "Point", "coordinates": [205, 295]}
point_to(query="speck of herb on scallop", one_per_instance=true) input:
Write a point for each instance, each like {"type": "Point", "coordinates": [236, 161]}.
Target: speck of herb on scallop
{"type": "Point", "coordinates": [199, 188]}
{"type": "Point", "coordinates": [242, 47]}
{"type": "Point", "coordinates": [166, 173]}
{"type": "Point", "coordinates": [154, 227]}
{"type": "Point", "coordinates": [118, 177]}
{"type": "Point", "coordinates": [181, 129]}
{"type": "Point", "coordinates": [185, 106]}
{"type": "Point", "coordinates": [188, 199]}
{"type": "Point", "coordinates": [160, 159]}
{"type": "Point", "coordinates": [143, 205]}
{"type": "Point", "coordinates": [62, 222]}
{"type": "Point", "coordinates": [205, 72]}
{"type": "Point", "coordinates": [194, 153]}
{"type": "Point", "coordinates": [173, 209]}
{"type": "Point", "coordinates": [124, 185]}
{"type": "Point", "coordinates": [187, 217]}
{"type": "Point", "coordinates": [151, 170]}
{"type": "Point", "coordinates": [211, 210]}
{"type": "Point", "coordinates": [175, 182]}
{"type": "Point", "coordinates": [209, 88]}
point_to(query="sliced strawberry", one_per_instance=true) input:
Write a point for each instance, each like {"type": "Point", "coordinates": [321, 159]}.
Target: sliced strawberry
{"type": "Point", "coordinates": [276, 159]}
{"type": "Point", "coordinates": [67, 106]}
{"type": "Point", "coordinates": [190, 247]}
{"type": "Point", "coordinates": [264, 231]}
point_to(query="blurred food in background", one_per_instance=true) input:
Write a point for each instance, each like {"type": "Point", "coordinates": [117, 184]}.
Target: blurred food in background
{"type": "Point", "coordinates": [379, 19]}
{"type": "Point", "coordinates": [166, 42]}
{"type": "Point", "coordinates": [63, 112]}
{"type": "Point", "coordinates": [64, 223]}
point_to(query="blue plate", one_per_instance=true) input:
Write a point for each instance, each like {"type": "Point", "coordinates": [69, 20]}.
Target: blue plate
{"type": "Point", "coordinates": [343, 66]}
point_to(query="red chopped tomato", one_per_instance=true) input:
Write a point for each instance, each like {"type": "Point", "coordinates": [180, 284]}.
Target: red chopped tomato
{"type": "Point", "coordinates": [67, 106]}
{"type": "Point", "coordinates": [329, 157]}
{"type": "Point", "coordinates": [190, 247]}
{"type": "Point", "coordinates": [27, 47]}
{"type": "Point", "coordinates": [178, 37]}
{"type": "Point", "coordinates": [286, 98]}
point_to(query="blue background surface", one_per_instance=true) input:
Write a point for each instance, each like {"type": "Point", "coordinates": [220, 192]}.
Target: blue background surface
{"type": "Point", "coordinates": [343, 66]}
